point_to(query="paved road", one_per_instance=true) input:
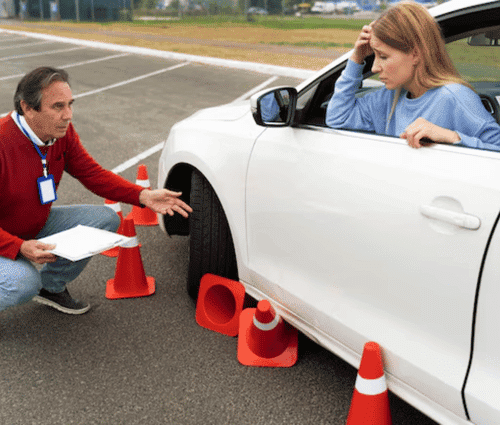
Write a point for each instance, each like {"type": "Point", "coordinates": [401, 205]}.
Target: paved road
{"type": "Point", "coordinates": [146, 361]}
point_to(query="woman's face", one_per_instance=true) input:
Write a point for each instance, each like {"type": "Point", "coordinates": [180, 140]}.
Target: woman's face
{"type": "Point", "coordinates": [395, 68]}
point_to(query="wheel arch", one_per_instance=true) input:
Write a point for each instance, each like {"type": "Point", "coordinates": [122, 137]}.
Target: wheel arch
{"type": "Point", "coordinates": [179, 179]}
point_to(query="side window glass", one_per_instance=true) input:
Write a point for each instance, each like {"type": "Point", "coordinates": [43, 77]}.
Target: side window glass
{"type": "Point", "coordinates": [475, 63]}
{"type": "Point", "coordinates": [369, 84]}
{"type": "Point", "coordinates": [315, 113]}
{"type": "Point", "coordinates": [305, 97]}
{"type": "Point", "coordinates": [477, 59]}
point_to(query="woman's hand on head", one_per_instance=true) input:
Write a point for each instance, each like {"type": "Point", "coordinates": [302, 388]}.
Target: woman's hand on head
{"type": "Point", "coordinates": [423, 129]}
{"type": "Point", "coordinates": [362, 47]}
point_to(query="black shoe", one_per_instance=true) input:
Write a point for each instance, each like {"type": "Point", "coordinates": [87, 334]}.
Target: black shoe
{"type": "Point", "coordinates": [62, 302]}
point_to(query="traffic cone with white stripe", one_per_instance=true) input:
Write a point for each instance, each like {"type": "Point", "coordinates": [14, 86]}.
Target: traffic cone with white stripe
{"type": "Point", "coordinates": [370, 400]}
{"type": "Point", "coordinates": [130, 281]}
{"type": "Point", "coordinates": [115, 206]}
{"type": "Point", "coordinates": [265, 339]}
{"type": "Point", "coordinates": [220, 303]}
{"type": "Point", "coordinates": [143, 216]}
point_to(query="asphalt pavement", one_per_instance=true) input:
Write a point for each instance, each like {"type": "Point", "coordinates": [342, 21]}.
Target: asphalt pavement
{"type": "Point", "coordinates": [145, 360]}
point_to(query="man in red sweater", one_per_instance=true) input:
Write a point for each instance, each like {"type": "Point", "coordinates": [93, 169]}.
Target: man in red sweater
{"type": "Point", "coordinates": [37, 143]}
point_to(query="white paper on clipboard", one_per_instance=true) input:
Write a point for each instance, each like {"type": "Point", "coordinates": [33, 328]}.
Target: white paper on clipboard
{"type": "Point", "coordinates": [83, 241]}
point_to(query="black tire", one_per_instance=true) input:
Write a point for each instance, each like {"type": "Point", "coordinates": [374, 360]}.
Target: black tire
{"type": "Point", "coordinates": [211, 248]}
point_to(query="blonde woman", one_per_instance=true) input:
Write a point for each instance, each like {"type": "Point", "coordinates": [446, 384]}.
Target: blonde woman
{"type": "Point", "coordinates": [424, 96]}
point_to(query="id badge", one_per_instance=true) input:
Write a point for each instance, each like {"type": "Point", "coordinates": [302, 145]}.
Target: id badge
{"type": "Point", "coordinates": [46, 189]}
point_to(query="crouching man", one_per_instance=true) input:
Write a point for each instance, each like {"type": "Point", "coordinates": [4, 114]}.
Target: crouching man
{"type": "Point", "coordinates": [37, 143]}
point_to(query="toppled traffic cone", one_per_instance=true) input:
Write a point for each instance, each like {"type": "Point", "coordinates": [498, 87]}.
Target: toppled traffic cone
{"type": "Point", "coordinates": [370, 400]}
{"type": "Point", "coordinates": [143, 216]}
{"type": "Point", "coordinates": [219, 305]}
{"type": "Point", "coordinates": [265, 339]}
{"type": "Point", "coordinates": [115, 206]}
{"type": "Point", "coordinates": [130, 281]}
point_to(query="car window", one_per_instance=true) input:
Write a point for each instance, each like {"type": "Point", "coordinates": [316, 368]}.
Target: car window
{"type": "Point", "coordinates": [475, 62]}
{"type": "Point", "coordinates": [478, 64]}
{"type": "Point", "coordinates": [312, 101]}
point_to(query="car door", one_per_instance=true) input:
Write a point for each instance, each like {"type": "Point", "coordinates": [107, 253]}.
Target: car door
{"type": "Point", "coordinates": [364, 238]}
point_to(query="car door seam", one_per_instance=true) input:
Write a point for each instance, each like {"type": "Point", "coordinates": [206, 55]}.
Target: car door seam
{"type": "Point", "coordinates": [474, 316]}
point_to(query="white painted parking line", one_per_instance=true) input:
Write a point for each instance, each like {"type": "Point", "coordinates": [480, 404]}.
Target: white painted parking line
{"type": "Point", "coordinates": [123, 83]}
{"type": "Point", "coordinates": [16, 46]}
{"type": "Point", "coordinates": [105, 58]}
{"type": "Point", "coordinates": [136, 159]}
{"type": "Point", "coordinates": [47, 52]}
{"type": "Point", "coordinates": [235, 64]}
{"type": "Point", "coordinates": [257, 89]}
{"type": "Point", "coordinates": [132, 80]}
{"type": "Point", "coordinates": [10, 77]}
{"type": "Point", "coordinates": [269, 69]}
{"type": "Point", "coordinates": [8, 40]}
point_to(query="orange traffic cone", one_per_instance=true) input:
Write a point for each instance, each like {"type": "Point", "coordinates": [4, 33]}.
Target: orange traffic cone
{"type": "Point", "coordinates": [115, 206]}
{"type": "Point", "coordinates": [219, 305]}
{"type": "Point", "coordinates": [130, 281]}
{"type": "Point", "coordinates": [265, 339]}
{"type": "Point", "coordinates": [143, 216]}
{"type": "Point", "coordinates": [370, 400]}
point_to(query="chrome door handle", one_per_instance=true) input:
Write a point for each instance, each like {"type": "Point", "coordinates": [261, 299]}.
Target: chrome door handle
{"type": "Point", "coordinates": [459, 219]}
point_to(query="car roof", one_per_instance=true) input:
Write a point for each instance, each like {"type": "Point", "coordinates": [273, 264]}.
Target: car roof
{"type": "Point", "coordinates": [454, 5]}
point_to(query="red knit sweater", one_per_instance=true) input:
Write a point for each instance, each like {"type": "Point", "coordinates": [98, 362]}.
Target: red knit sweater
{"type": "Point", "coordinates": [22, 216]}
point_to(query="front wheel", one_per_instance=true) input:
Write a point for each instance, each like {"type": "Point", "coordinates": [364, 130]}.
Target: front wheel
{"type": "Point", "coordinates": [211, 248]}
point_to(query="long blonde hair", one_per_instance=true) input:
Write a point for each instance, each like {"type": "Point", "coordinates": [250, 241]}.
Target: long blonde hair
{"type": "Point", "coordinates": [408, 27]}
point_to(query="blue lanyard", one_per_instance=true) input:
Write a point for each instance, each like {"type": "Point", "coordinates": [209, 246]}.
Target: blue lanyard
{"type": "Point", "coordinates": [42, 156]}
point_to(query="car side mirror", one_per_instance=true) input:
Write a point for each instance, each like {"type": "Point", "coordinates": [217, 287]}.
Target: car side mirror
{"type": "Point", "coordinates": [274, 108]}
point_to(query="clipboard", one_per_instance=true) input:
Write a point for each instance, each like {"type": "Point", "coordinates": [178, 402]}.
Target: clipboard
{"type": "Point", "coordinates": [82, 242]}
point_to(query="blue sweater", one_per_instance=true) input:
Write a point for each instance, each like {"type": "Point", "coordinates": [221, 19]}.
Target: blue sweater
{"type": "Point", "coordinates": [453, 106]}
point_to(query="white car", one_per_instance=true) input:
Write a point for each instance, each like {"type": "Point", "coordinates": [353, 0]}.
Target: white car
{"type": "Point", "coordinates": [355, 237]}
